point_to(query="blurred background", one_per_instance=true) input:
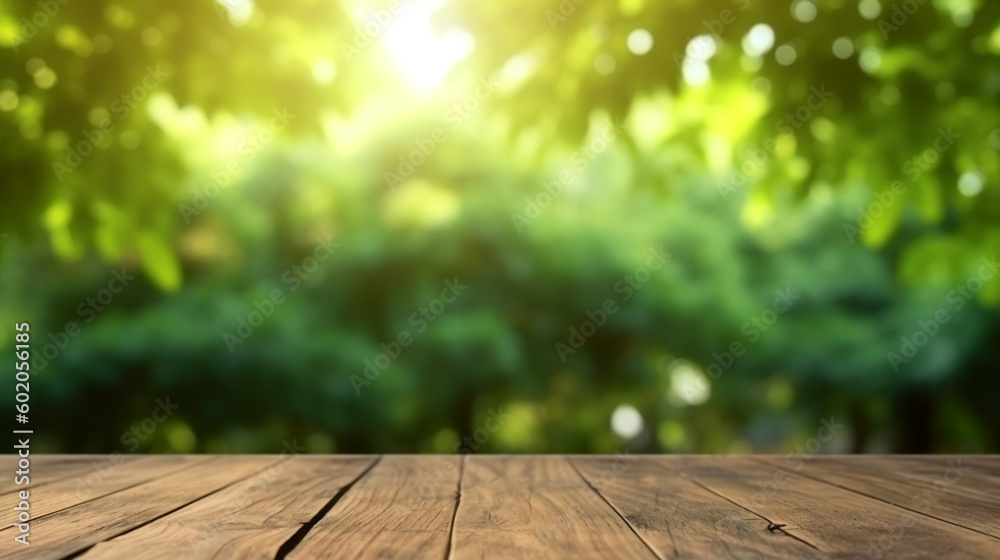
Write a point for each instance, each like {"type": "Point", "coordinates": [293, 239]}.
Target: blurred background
{"type": "Point", "coordinates": [442, 226]}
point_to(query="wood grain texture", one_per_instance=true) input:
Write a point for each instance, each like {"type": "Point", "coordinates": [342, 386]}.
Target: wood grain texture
{"type": "Point", "coordinates": [46, 469]}
{"type": "Point", "coordinates": [402, 508]}
{"type": "Point", "coordinates": [517, 507]}
{"type": "Point", "coordinates": [100, 479]}
{"type": "Point", "coordinates": [949, 489]}
{"type": "Point", "coordinates": [528, 507]}
{"type": "Point", "coordinates": [250, 519]}
{"type": "Point", "coordinates": [833, 520]}
{"type": "Point", "coordinates": [680, 519]}
{"type": "Point", "coordinates": [74, 529]}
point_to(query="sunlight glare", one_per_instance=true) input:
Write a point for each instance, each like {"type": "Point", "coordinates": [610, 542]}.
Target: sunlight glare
{"type": "Point", "coordinates": [239, 11]}
{"type": "Point", "coordinates": [424, 56]}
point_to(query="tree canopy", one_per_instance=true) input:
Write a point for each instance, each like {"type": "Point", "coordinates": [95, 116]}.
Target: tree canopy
{"type": "Point", "coordinates": [821, 173]}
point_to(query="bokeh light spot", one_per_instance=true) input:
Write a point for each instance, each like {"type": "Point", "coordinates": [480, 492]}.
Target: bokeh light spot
{"type": "Point", "coordinates": [785, 55]}
{"type": "Point", "coordinates": [843, 48]}
{"type": "Point", "coordinates": [640, 42]}
{"type": "Point", "coordinates": [970, 183]}
{"type": "Point", "coordinates": [758, 40]}
{"type": "Point", "coordinates": [626, 422]}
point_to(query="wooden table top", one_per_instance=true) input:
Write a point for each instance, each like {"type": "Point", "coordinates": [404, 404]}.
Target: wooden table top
{"type": "Point", "coordinates": [503, 506]}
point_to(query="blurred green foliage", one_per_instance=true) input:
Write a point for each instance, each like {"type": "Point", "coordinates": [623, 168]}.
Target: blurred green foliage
{"type": "Point", "coordinates": [209, 149]}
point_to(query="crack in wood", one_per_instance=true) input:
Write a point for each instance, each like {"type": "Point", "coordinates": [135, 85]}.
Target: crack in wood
{"type": "Point", "coordinates": [286, 548]}
{"type": "Point", "coordinates": [610, 505]}
{"type": "Point", "coordinates": [449, 550]}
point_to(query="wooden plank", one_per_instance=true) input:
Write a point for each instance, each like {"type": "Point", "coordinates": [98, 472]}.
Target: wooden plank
{"type": "Point", "coordinates": [250, 519]}
{"type": "Point", "coordinates": [74, 529]}
{"type": "Point", "coordinates": [403, 508]}
{"type": "Point", "coordinates": [986, 466]}
{"type": "Point", "coordinates": [46, 469]}
{"type": "Point", "coordinates": [513, 507]}
{"type": "Point", "coordinates": [946, 489]}
{"type": "Point", "coordinates": [680, 519]}
{"type": "Point", "coordinates": [831, 519]}
{"type": "Point", "coordinates": [90, 484]}
{"type": "Point", "coordinates": [528, 507]}
{"type": "Point", "coordinates": [985, 472]}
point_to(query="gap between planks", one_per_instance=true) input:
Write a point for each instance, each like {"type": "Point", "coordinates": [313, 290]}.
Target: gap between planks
{"type": "Point", "coordinates": [877, 498]}
{"type": "Point", "coordinates": [458, 502]}
{"type": "Point", "coordinates": [613, 508]}
{"type": "Point", "coordinates": [770, 523]}
{"type": "Point", "coordinates": [83, 551]}
{"type": "Point", "coordinates": [288, 546]}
